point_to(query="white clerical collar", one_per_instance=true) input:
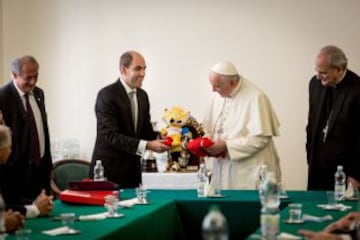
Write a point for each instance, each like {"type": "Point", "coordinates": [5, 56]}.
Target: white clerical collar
{"type": "Point", "coordinates": [127, 88]}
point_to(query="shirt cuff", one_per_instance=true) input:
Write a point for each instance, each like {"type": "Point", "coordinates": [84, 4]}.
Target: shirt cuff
{"type": "Point", "coordinates": [141, 148]}
{"type": "Point", "coordinates": [32, 211]}
{"type": "Point", "coordinates": [345, 236]}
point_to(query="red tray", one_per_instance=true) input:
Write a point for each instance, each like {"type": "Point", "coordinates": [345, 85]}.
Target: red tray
{"type": "Point", "coordinates": [86, 197]}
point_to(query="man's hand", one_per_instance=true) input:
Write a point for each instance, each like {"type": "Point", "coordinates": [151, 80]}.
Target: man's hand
{"type": "Point", "coordinates": [44, 203]}
{"type": "Point", "coordinates": [158, 146]}
{"type": "Point", "coordinates": [344, 224]}
{"type": "Point", "coordinates": [13, 221]}
{"type": "Point", "coordinates": [2, 121]}
{"type": "Point", "coordinates": [310, 235]}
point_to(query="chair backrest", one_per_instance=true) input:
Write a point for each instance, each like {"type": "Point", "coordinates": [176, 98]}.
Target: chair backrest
{"type": "Point", "coordinates": [66, 171]}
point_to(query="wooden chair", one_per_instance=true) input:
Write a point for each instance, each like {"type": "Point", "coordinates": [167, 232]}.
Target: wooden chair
{"type": "Point", "coordinates": [65, 171]}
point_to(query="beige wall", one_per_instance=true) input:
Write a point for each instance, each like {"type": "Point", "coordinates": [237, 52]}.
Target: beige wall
{"type": "Point", "coordinates": [273, 43]}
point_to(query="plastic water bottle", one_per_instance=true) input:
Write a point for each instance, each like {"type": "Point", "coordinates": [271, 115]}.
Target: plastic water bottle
{"type": "Point", "coordinates": [340, 183]}
{"type": "Point", "coordinates": [202, 175]}
{"type": "Point", "coordinates": [261, 176]}
{"type": "Point", "coordinates": [2, 218]}
{"type": "Point", "coordinates": [270, 200]}
{"type": "Point", "coordinates": [269, 222]}
{"type": "Point", "coordinates": [269, 192]}
{"type": "Point", "coordinates": [214, 225]}
{"type": "Point", "coordinates": [260, 181]}
{"type": "Point", "coordinates": [98, 171]}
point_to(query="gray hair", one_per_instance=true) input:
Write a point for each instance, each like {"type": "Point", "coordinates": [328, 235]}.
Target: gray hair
{"type": "Point", "coordinates": [337, 58]}
{"type": "Point", "coordinates": [17, 64]}
{"type": "Point", "coordinates": [5, 136]}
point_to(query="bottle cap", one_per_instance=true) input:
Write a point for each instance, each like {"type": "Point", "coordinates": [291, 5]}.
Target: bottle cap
{"type": "Point", "coordinates": [215, 207]}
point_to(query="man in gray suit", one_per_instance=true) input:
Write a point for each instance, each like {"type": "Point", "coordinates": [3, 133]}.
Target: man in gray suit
{"type": "Point", "coordinates": [124, 129]}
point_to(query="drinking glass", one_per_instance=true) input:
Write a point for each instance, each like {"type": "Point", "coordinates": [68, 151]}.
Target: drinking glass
{"type": "Point", "coordinates": [331, 200]}
{"type": "Point", "coordinates": [141, 195]}
{"type": "Point", "coordinates": [111, 204]}
{"type": "Point", "coordinates": [23, 234]}
{"type": "Point", "coordinates": [295, 212]}
{"type": "Point", "coordinates": [67, 219]}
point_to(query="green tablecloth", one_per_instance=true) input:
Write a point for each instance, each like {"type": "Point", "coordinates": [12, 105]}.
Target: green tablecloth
{"type": "Point", "coordinates": [141, 221]}
{"type": "Point", "coordinates": [310, 201]}
{"type": "Point", "coordinates": [311, 208]}
{"type": "Point", "coordinates": [177, 214]}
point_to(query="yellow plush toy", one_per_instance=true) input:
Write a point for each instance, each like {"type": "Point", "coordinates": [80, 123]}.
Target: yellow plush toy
{"type": "Point", "coordinates": [181, 127]}
{"type": "Point", "coordinates": [175, 119]}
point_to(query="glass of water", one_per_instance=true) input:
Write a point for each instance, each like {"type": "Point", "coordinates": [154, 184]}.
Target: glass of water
{"type": "Point", "coordinates": [111, 204]}
{"type": "Point", "coordinates": [141, 194]}
{"type": "Point", "coordinates": [67, 219]}
{"type": "Point", "coordinates": [23, 234]}
{"type": "Point", "coordinates": [295, 213]}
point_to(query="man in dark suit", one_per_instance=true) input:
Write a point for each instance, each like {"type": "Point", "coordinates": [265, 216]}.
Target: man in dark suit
{"type": "Point", "coordinates": [333, 130]}
{"type": "Point", "coordinates": [25, 178]}
{"type": "Point", "coordinates": [11, 220]}
{"type": "Point", "coordinates": [124, 131]}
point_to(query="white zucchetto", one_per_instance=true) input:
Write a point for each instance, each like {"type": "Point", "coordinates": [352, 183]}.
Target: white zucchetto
{"type": "Point", "coordinates": [225, 68]}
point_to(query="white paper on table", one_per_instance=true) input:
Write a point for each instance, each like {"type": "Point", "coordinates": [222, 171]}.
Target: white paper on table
{"type": "Point", "coordinates": [311, 218]}
{"type": "Point", "coordinates": [349, 193]}
{"type": "Point", "coordinates": [128, 203]}
{"type": "Point", "coordinates": [287, 236]}
{"type": "Point", "coordinates": [339, 207]}
{"type": "Point", "coordinates": [90, 217]}
{"type": "Point", "coordinates": [60, 231]}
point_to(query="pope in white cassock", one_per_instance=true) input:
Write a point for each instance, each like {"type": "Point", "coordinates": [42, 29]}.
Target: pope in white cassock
{"type": "Point", "coordinates": [241, 122]}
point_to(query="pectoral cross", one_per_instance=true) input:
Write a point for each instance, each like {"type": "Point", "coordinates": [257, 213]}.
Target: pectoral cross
{"type": "Point", "coordinates": [326, 128]}
{"type": "Point", "coordinates": [325, 131]}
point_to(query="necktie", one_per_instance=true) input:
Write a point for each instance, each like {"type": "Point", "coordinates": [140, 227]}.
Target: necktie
{"type": "Point", "coordinates": [133, 107]}
{"type": "Point", "coordinates": [34, 138]}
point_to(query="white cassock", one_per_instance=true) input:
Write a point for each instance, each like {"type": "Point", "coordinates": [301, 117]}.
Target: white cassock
{"type": "Point", "coordinates": [247, 122]}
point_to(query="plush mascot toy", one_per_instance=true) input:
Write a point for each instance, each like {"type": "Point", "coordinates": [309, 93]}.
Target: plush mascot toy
{"type": "Point", "coordinates": [175, 119]}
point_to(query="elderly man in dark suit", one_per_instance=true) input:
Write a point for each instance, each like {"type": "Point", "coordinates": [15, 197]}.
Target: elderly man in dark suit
{"type": "Point", "coordinates": [333, 130]}
{"type": "Point", "coordinates": [25, 178]}
{"type": "Point", "coordinates": [11, 220]}
{"type": "Point", "coordinates": [124, 129]}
